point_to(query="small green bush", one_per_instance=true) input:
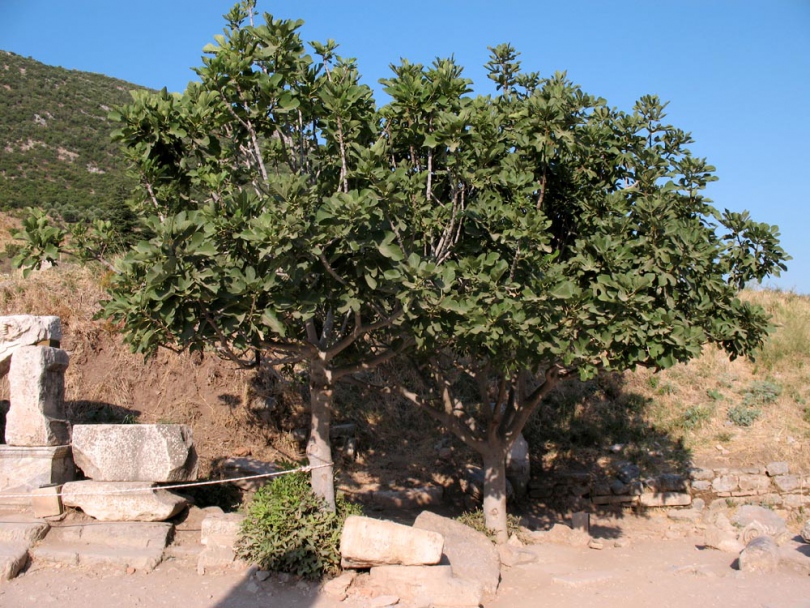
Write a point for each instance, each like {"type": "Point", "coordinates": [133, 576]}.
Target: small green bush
{"type": "Point", "coordinates": [288, 529]}
{"type": "Point", "coordinates": [761, 393]}
{"type": "Point", "coordinates": [744, 415]}
{"type": "Point", "coordinates": [696, 416]}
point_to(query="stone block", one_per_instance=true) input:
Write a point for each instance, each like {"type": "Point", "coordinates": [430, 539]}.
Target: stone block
{"type": "Point", "coordinates": [665, 499]}
{"type": "Point", "coordinates": [470, 553]}
{"type": "Point", "coordinates": [777, 468]}
{"type": "Point", "coordinates": [23, 470]}
{"type": "Point", "coordinates": [122, 500]}
{"type": "Point", "coordinates": [787, 483]}
{"type": "Point", "coordinates": [22, 529]}
{"type": "Point", "coordinates": [36, 381]}
{"type": "Point", "coordinates": [794, 501]}
{"type": "Point", "coordinates": [701, 485]}
{"type": "Point", "coordinates": [698, 474]}
{"type": "Point", "coordinates": [46, 502]}
{"type": "Point", "coordinates": [423, 585]}
{"type": "Point", "coordinates": [760, 555]}
{"type": "Point", "coordinates": [755, 484]}
{"type": "Point", "coordinates": [367, 542]}
{"type": "Point", "coordinates": [26, 330]}
{"type": "Point", "coordinates": [135, 452]}
{"type": "Point", "coordinates": [672, 482]}
{"type": "Point", "coordinates": [725, 483]}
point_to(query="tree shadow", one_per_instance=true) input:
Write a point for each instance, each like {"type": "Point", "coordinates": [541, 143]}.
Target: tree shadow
{"type": "Point", "coordinates": [99, 412]}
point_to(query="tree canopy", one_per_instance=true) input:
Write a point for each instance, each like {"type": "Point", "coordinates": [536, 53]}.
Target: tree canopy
{"type": "Point", "coordinates": [497, 243]}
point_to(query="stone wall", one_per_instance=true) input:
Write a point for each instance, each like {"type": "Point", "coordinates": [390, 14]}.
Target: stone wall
{"type": "Point", "coordinates": [772, 485]}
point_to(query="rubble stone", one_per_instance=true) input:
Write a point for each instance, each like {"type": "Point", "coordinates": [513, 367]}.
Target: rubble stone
{"type": "Point", "coordinates": [787, 483]}
{"type": "Point", "coordinates": [367, 542]}
{"type": "Point", "coordinates": [777, 468]}
{"type": "Point", "coordinates": [37, 387]}
{"type": "Point", "coordinates": [135, 452]}
{"type": "Point", "coordinates": [760, 555]}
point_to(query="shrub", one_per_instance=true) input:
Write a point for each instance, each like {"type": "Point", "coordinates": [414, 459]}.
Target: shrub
{"type": "Point", "coordinates": [696, 416]}
{"type": "Point", "coordinates": [761, 393]}
{"type": "Point", "coordinates": [744, 415]}
{"type": "Point", "coordinates": [288, 529]}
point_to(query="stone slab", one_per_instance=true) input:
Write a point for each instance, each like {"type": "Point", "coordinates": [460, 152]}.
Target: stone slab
{"type": "Point", "coordinates": [23, 469]}
{"type": "Point", "coordinates": [36, 381]}
{"type": "Point", "coordinates": [136, 535]}
{"type": "Point", "coordinates": [13, 557]}
{"type": "Point", "coordinates": [135, 452]}
{"type": "Point", "coordinates": [469, 552]}
{"type": "Point", "coordinates": [22, 529]}
{"type": "Point", "coordinates": [122, 501]}
{"type": "Point", "coordinates": [427, 585]}
{"type": "Point", "coordinates": [67, 554]}
{"type": "Point", "coordinates": [367, 542]}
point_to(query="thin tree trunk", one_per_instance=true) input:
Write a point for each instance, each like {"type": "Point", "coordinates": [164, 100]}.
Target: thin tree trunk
{"type": "Point", "coordinates": [319, 451]}
{"type": "Point", "coordinates": [495, 492]}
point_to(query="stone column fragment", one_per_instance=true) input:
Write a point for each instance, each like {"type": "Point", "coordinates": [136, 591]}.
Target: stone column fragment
{"type": "Point", "coordinates": [26, 330]}
{"type": "Point", "coordinates": [37, 389]}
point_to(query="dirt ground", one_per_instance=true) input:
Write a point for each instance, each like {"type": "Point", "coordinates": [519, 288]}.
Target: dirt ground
{"type": "Point", "coordinates": [644, 562]}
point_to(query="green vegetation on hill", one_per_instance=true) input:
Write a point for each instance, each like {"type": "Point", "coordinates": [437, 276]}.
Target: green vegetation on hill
{"type": "Point", "coordinates": [55, 146]}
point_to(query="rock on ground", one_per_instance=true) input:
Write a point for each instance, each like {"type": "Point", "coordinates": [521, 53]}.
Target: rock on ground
{"type": "Point", "coordinates": [470, 553]}
{"type": "Point", "coordinates": [760, 555]}
{"type": "Point", "coordinates": [122, 501]}
{"type": "Point", "coordinates": [367, 542]}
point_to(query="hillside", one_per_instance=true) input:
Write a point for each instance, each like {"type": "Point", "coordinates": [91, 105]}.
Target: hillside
{"type": "Point", "coordinates": [55, 148]}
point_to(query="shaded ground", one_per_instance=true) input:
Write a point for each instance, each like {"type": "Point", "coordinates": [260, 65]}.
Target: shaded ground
{"type": "Point", "coordinates": [643, 562]}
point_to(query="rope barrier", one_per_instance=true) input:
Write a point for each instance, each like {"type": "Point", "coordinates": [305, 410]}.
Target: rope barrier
{"type": "Point", "coordinates": [190, 484]}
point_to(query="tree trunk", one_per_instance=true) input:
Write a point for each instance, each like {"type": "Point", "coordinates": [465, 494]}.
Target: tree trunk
{"type": "Point", "coordinates": [319, 451]}
{"type": "Point", "coordinates": [495, 492]}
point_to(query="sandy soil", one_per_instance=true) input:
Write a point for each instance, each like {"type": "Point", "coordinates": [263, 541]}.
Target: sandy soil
{"type": "Point", "coordinates": [643, 562]}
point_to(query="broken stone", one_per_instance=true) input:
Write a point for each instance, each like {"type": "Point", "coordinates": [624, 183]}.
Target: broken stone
{"type": "Point", "coordinates": [37, 387]}
{"type": "Point", "coordinates": [759, 521]}
{"type": "Point", "coordinates": [135, 452]}
{"type": "Point", "coordinates": [337, 587]}
{"type": "Point", "coordinates": [367, 542]}
{"type": "Point", "coordinates": [761, 554]}
{"type": "Point", "coordinates": [470, 553]}
{"type": "Point", "coordinates": [122, 501]}
{"type": "Point", "coordinates": [218, 534]}
{"type": "Point", "coordinates": [26, 330]}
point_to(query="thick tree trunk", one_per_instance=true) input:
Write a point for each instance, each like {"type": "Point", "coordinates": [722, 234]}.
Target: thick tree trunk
{"type": "Point", "coordinates": [495, 492]}
{"type": "Point", "coordinates": [319, 451]}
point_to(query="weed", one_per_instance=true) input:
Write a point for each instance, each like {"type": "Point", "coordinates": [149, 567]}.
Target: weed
{"type": "Point", "coordinates": [475, 520]}
{"type": "Point", "coordinates": [696, 416]}
{"type": "Point", "coordinates": [653, 382]}
{"type": "Point", "coordinates": [724, 437]}
{"type": "Point", "coordinates": [744, 415]}
{"type": "Point", "coordinates": [761, 393]}
{"type": "Point", "coordinates": [667, 388]}
{"type": "Point", "coordinates": [714, 394]}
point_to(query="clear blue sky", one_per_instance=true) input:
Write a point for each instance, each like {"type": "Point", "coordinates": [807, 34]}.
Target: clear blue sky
{"type": "Point", "coordinates": [736, 72]}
